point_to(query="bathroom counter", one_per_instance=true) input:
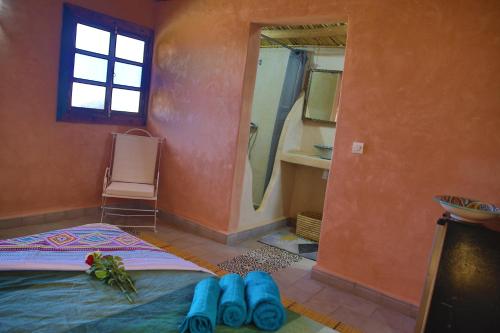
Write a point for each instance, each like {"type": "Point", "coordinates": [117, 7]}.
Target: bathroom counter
{"type": "Point", "coordinates": [301, 158]}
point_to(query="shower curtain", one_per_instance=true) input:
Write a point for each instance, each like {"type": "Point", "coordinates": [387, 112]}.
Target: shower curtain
{"type": "Point", "coordinates": [292, 86]}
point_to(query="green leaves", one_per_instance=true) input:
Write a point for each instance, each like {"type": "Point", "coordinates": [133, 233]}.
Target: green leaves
{"type": "Point", "coordinates": [111, 271]}
{"type": "Point", "coordinates": [101, 274]}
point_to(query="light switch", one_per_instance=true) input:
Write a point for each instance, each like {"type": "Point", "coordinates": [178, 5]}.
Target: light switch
{"type": "Point", "coordinates": [325, 174]}
{"type": "Point", "coordinates": [357, 147]}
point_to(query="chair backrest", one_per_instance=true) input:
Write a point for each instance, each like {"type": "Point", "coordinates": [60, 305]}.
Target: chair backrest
{"type": "Point", "coordinates": [134, 158]}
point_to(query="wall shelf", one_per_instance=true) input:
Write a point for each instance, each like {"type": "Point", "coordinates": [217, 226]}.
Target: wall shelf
{"type": "Point", "coordinates": [301, 158]}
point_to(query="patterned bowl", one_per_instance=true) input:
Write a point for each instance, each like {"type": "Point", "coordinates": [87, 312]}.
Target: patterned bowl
{"type": "Point", "coordinates": [469, 210]}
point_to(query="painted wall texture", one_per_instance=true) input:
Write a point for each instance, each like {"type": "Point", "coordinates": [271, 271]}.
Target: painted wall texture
{"type": "Point", "coordinates": [47, 165]}
{"type": "Point", "coordinates": [420, 89]}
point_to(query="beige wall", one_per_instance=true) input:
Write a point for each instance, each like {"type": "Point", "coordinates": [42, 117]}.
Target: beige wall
{"type": "Point", "coordinates": [47, 165]}
{"type": "Point", "coordinates": [314, 132]}
{"type": "Point", "coordinates": [266, 97]}
{"type": "Point", "coordinates": [278, 197]}
{"type": "Point", "coordinates": [327, 58]}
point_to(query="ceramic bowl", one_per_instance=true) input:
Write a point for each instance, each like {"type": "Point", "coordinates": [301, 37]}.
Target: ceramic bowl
{"type": "Point", "coordinates": [468, 210]}
{"type": "Point", "coordinates": [325, 152]}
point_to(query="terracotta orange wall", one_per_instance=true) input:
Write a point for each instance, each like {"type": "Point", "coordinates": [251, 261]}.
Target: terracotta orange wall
{"type": "Point", "coordinates": [421, 90]}
{"type": "Point", "coordinates": [47, 165]}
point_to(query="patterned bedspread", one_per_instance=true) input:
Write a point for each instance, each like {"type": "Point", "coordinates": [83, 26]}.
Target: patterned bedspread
{"type": "Point", "coordinates": [66, 249]}
{"type": "Point", "coordinates": [42, 288]}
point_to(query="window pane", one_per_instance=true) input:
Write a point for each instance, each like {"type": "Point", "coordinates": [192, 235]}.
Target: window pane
{"type": "Point", "coordinates": [125, 100]}
{"type": "Point", "coordinates": [128, 75]}
{"type": "Point", "coordinates": [88, 96]}
{"type": "Point", "coordinates": [92, 39]}
{"type": "Point", "coordinates": [129, 48]}
{"type": "Point", "coordinates": [90, 68]}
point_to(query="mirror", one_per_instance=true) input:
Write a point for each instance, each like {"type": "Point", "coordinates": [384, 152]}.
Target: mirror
{"type": "Point", "coordinates": [322, 95]}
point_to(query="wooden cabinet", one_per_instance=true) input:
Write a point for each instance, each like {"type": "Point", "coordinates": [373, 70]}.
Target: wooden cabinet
{"type": "Point", "coordinates": [462, 292]}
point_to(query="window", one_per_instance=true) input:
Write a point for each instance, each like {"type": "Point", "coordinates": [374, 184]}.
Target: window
{"type": "Point", "coordinates": [104, 70]}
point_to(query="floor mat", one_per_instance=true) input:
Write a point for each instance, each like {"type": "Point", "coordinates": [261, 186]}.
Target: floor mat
{"type": "Point", "coordinates": [288, 241]}
{"type": "Point", "coordinates": [266, 258]}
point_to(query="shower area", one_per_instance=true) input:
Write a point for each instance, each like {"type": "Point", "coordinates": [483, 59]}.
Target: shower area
{"type": "Point", "coordinates": [292, 130]}
{"type": "Point", "coordinates": [279, 80]}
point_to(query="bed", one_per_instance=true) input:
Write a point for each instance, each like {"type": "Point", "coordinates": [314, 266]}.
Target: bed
{"type": "Point", "coordinates": [43, 287]}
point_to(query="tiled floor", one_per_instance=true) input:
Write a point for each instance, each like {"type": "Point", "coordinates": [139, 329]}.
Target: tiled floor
{"type": "Point", "coordinates": [295, 281]}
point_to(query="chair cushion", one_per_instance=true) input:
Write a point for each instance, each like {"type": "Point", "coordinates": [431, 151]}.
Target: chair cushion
{"type": "Point", "coordinates": [134, 159]}
{"type": "Point", "coordinates": [130, 190]}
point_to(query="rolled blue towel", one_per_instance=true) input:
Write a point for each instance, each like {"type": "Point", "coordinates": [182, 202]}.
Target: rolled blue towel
{"type": "Point", "coordinates": [232, 305]}
{"type": "Point", "coordinates": [264, 303]}
{"type": "Point", "coordinates": [202, 315]}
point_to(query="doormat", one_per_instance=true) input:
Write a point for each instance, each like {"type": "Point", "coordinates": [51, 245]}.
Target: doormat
{"type": "Point", "coordinates": [266, 258]}
{"type": "Point", "coordinates": [288, 241]}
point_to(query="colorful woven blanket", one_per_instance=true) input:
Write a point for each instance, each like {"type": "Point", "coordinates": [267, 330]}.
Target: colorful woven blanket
{"type": "Point", "coordinates": [66, 249]}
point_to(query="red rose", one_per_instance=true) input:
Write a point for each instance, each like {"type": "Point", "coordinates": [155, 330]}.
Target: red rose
{"type": "Point", "coordinates": [90, 260]}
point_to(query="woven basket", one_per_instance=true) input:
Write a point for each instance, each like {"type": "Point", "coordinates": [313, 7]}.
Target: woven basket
{"type": "Point", "coordinates": [309, 225]}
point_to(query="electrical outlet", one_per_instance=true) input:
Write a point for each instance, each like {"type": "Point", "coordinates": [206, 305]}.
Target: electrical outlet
{"type": "Point", "coordinates": [325, 174]}
{"type": "Point", "coordinates": [357, 147]}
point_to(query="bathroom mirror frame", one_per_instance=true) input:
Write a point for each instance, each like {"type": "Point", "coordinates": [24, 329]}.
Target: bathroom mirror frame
{"type": "Point", "coordinates": [307, 96]}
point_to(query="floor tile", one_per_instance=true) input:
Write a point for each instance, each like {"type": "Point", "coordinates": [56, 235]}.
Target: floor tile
{"type": "Point", "coordinates": [303, 289]}
{"type": "Point", "coordinates": [289, 275]}
{"type": "Point", "coordinates": [350, 317]}
{"type": "Point", "coordinates": [348, 300]}
{"type": "Point", "coordinates": [321, 306]}
{"type": "Point", "coordinates": [371, 325]}
{"type": "Point", "coordinates": [398, 321]}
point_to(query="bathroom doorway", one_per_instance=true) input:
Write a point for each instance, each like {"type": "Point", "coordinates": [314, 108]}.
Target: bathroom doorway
{"type": "Point", "coordinates": [290, 59]}
{"type": "Point", "coordinates": [292, 131]}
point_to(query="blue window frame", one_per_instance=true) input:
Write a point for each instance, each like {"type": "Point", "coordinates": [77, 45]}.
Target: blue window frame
{"type": "Point", "coordinates": [104, 69]}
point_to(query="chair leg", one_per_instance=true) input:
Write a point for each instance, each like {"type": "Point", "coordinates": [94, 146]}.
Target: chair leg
{"type": "Point", "coordinates": [103, 203]}
{"type": "Point", "coordinates": [156, 213]}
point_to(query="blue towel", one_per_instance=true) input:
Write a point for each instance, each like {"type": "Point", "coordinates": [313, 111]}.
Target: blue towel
{"type": "Point", "coordinates": [263, 300]}
{"type": "Point", "coordinates": [232, 305]}
{"type": "Point", "coordinates": [202, 315]}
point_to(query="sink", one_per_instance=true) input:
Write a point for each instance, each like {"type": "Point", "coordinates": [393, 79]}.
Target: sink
{"type": "Point", "coordinates": [325, 152]}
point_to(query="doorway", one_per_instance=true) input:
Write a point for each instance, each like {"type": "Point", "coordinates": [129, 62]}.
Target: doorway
{"type": "Point", "coordinates": [292, 128]}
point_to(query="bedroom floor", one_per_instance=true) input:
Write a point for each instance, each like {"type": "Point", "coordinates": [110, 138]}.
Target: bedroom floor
{"type": "Point", "coordinates": [295, 281]}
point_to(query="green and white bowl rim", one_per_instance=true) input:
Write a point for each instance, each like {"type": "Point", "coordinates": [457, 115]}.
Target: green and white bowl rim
{"type": "Point", "coordinates": [496, 210]}
{"type": "Point", "coordinates": [320, 146]}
